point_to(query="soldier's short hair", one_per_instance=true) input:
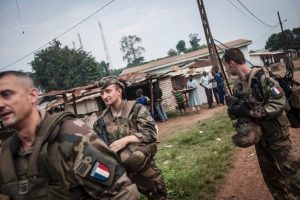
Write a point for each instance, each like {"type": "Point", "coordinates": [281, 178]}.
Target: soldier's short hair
{"type": "Point", "coordinates": [18, 74]}
{"type": "Point", "coordinates": [234, 54]}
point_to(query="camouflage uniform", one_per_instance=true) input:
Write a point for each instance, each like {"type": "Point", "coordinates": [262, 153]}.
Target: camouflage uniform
{"type": "Point", "coordinates": [278, 160]}
{"type": "Point", "coordinates": [138, 157]}
{"type": "Point", "coordinates": [67, 167]}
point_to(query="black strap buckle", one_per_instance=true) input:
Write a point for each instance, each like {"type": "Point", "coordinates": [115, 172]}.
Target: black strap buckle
{"type": "Point", "coordinates": [23, 186]}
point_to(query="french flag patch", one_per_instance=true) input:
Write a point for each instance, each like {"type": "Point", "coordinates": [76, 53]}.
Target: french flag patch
{"type": "Point", "coordinates": [276, 90]}
{"type": "Point", "coordinates": [100, 172]}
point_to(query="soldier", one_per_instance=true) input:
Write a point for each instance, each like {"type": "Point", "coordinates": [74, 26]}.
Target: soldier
{"type": "Point", "coordinates": [278, 160]}
{"type": "Point", "coordinates": [53, 157]}
{"type": "Point", "coordinates": [129, 129]}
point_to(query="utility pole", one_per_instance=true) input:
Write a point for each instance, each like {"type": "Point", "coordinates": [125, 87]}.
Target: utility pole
{"type": "Point", "coordinates": [287, 60]}
{"type": "Point", "coordinates": [74, 46]}
{"type": "Point", "coordinates": [213, 53]}
{"type": "Point", "coordinates": [105, 46]}
{"type": "Point", "coordinates": [79, 38]}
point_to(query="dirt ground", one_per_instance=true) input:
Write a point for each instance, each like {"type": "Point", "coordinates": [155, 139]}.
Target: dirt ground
{"type": "Point", "coordinates": [244, 180]}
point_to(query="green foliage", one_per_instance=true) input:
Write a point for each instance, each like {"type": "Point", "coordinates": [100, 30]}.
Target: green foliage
{"type": "Point", "coordinates": [194, 41]}
{"type": "Point", "coordinates": [181, 46]}
{"type": "Point", "coordinates": [289, 39]}
{"type": "Point", "coordinates": [194, 162]}
{"type": "Point", "coordinates": [172, 52]}
{"type": "Point", "coordinates": [132, 51]}
{"type": "Point", "coordinates": [57, 68]}
{"type": "Point", "coordinates": [116, 72]}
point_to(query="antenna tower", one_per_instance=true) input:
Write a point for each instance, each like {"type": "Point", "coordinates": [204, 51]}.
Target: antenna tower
{"type": "Point", "coordinates": [80, 42]}
{"type": "Point", "coordinates": [105, 46]}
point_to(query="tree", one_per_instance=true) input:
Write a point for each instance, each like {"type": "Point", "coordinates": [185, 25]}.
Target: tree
{"type": "Point", "coordinates": [172, 52]}
{"type": "Point", "coordinates": [105, 68]}
{"type": "Point", "coordinates": [181, 46]}
{"type": "Point", "coordinates": [57, 68]}
{"type": "Point", "coordinates": [133, 52]}
{"type": "Point", "coordinates": [286, 39]}
{"type": "Point", "coordinates": [194, 41]}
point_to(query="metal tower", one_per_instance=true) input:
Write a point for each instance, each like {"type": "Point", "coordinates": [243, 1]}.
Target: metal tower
{"type": "Point", "coordinates": [79, 38]}
{"type": "Point", "coordinates": [105, 46]}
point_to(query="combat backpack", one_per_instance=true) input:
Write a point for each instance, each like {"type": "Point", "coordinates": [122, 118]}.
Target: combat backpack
{"type": "Point", "coordinates": [291, 89]}
{"type": "Point", "coordinates": [33, 185]}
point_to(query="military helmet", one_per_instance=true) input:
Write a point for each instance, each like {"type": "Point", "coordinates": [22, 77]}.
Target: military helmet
{"type": "Point", "coordinates": [247, 134]}
{"type": "Point", "coordinates": [106, 81]}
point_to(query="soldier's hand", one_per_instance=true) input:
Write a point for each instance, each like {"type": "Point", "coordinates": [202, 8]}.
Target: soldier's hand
{"type": "Point", "coordinates": [231, 100]}
{"type": "Point", "coordinates": [239, 110]}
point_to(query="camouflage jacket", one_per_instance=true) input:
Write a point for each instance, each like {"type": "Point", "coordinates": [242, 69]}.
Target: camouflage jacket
{"type": "Point", "coordinates": [73, 165]}
{"type": "Point", "coordinates": [134, 120]}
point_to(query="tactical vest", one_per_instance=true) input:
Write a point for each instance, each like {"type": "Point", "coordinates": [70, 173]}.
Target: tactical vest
{"type": "Point", "coordinates": [35, 184]}
{"type": "Point", "coordinates": [121, 128]}
{"type": "Point", "coordinates": [135, 157]}
{"type": "Point", "coordinates": [269, 126]}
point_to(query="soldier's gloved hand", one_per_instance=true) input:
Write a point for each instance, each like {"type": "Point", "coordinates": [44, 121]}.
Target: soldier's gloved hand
{"type": "Point", "coordinates": [231, 100]}
{"type": "Point", "coordinates": [239, 110]}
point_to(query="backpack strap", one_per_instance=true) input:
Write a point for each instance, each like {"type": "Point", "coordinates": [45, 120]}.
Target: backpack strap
{"type": "Point", "coordinates": [129, 106]}
{"type": "Point", "coordinates": [48, 131]}
{"type": "Point", "coordinates": [7, 170]}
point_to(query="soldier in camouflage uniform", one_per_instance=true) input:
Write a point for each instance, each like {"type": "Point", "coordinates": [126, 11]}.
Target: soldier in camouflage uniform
{"type": "Point", "coordinates": [278, 160]}
{"type": "Point", "coordinates": [132, 133]}
{"type": "Point", "coordinates": [58, 159]}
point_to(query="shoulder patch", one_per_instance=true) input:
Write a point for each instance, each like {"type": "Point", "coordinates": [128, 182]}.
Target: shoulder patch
{"type": "Point", "coordinates": [99, 172]}
{"type": "Point", "coordinates": [276, 91]}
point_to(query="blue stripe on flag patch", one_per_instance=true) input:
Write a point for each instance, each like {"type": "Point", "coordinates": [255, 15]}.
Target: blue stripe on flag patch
{"type": "Point", "coordinates": [100, 172]}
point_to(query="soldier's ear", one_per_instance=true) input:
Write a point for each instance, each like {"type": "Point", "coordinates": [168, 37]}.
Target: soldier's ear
{"type": "Point", "coordinates": [34, 94]}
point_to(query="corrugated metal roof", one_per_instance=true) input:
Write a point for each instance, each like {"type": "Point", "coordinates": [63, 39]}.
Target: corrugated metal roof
{"type": "Point", "coordinates": [182, 57]}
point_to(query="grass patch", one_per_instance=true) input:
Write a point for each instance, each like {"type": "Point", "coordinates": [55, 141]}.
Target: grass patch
{"type": "Point", "coordinates": [194, 162]}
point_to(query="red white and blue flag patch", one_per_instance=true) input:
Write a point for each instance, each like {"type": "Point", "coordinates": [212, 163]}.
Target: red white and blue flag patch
{"type": "Point", "coordinates": [100, 172]}
{"type": "Point", "coordinates": [276, 90]}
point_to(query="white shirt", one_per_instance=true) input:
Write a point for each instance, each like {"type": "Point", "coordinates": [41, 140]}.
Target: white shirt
{"type": "Point", "coordinates": [206, 81]}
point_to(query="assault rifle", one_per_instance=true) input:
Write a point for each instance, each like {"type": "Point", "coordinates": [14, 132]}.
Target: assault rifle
{"type": "Point", "coordinates": [103, 133]}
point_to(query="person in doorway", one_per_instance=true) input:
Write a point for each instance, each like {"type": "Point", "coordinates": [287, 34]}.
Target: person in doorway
{"type": "Point", "coordinates": [55, 156]}
{"type": "Point", "coordinates": [206, 82]}
{"type": "Point", "coordinates": [157, 96]}
{"type": "Point", "coordinates": [278, 160]}
{"type": "Point", "coordinates": [194, 95]}
{"type": "Point", "coordinates": [141, 99]}
{"type": "Point", "coordinates": [130, 131]}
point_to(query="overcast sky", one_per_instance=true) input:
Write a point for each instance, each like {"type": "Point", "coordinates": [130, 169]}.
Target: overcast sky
{"type": "Point", "coordinates": [159, 23]}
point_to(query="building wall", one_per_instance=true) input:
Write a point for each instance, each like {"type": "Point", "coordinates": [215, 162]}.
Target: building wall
{"type": "Point", "coordinates": [87, 106]}
{"type": "Point", "coordinates": [168, 101]}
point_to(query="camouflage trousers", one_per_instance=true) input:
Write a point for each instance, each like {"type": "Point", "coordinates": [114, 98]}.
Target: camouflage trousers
{"type": "Point", "coordinates": [280, 166]}
{"type": "Point", "coordinates": [142, 170]}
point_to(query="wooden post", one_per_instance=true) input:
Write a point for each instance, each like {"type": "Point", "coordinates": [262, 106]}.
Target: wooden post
{"type": "Point", "coordinates": [74, 104]}
{"type": "Point", "coordinates": [66, 103]}
{"type": "Point", "coordinates": [151, 96]}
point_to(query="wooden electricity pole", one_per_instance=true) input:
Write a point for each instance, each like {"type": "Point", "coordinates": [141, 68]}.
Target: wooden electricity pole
{"type": "Point", "coordinates": [213, 53]}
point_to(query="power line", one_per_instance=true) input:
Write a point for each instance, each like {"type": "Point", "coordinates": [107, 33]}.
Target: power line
{"type": "Point", "coordinates": [244, 13]}
{"type": "Point", "coordinates": [254, 15]}
{"type": "Point", "coordinates": [60, 34]}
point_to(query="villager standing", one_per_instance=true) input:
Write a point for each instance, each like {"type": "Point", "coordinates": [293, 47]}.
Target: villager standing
{"type": "Point", "coordinates": [194, 95]}
{"type": "Point", "coordinates": [53, 157]}
{"type": "Point", "coordinates": [157, 96]}
{"type": "Point", "coordinates": [278, 160]}
{"type": "Point", "coordinates": [180, 100]}
{"type": "Point", "coordinates": [219, 80]}
{"type": "Point", "coordinates": [131, 132]}
{"type": "Point", "coordinates": [206, 82]}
